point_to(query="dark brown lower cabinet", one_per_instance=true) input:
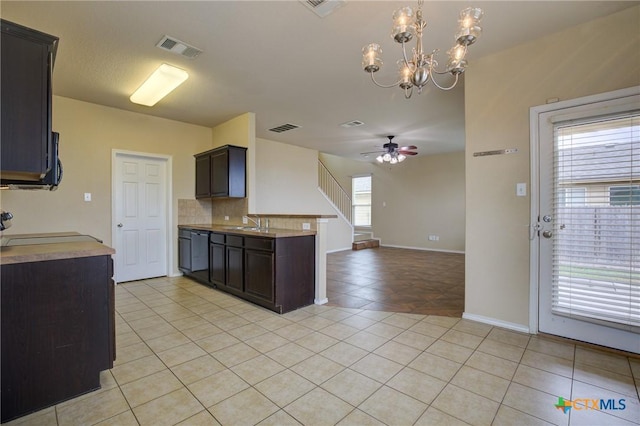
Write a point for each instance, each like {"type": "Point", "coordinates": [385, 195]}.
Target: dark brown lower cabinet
{"type": "Point", "coordinates": [276, 273]}
{"type": "Point", "coordinates": [259, 279]}
{"type": "Point", "coordinates": [217, 259]}
{"type": "Point", "coordinates": [234, 282]}
{"type": "Point", "coordinates": [58, 331]}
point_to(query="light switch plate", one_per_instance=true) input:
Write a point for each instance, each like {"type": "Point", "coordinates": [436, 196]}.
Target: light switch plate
{"type": "Point", "coordinates": [521, 189]}
{"type": "Point", "coordinates": [87, 196]}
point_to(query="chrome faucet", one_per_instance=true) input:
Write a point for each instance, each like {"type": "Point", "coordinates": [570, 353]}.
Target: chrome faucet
{"type": "Point", "coordinates": [257, 222]}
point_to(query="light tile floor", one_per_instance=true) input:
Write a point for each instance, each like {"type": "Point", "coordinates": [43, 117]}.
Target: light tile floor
{"type": "Point", "coordinates": [191, 355]}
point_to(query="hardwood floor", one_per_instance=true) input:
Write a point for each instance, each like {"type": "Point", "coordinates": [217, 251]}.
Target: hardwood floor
{"type": "Point", "coordinates": [397, 280]}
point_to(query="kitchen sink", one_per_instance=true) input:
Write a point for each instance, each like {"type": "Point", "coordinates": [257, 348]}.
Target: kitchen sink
{"type": "Point", "coordinates": [246, 228]}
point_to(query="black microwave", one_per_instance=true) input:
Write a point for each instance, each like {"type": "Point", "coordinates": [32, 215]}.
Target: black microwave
{"type": "Point", "coordinates": [51, 179]}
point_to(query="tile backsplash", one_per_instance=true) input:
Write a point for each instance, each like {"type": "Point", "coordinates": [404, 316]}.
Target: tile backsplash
{"type": "Point", "coordinates": [194, 212]}
{"type": "Point", "coordinates": [207, 211]}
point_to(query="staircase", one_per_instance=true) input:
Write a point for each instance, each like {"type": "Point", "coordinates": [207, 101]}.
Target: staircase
{"type": "Point", "coordinates": [362, 238]}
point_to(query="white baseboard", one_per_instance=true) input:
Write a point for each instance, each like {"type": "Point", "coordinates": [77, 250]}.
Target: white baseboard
{"type": "Point", "coordinates": [421, 248]}
{"type": "Point", "coordinates": [337, 250]}
{"type": "Point", "coordinates": [496, 322]}
{"type": "Point", "coordinates": [321, 301]}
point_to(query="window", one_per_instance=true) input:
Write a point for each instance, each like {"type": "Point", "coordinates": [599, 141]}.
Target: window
{"type": "Point", "coordinates": [624, 195]}
{"type": "Point", "coordinates": [361, 196]}
{"type": "Point", "coordinates": [596, 245]}
{"type": "Point", "coordinates": [572, 196]}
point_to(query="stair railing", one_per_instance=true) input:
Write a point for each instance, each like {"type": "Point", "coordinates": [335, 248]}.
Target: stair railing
{"type": "Point", "coordinates": [329, 185]}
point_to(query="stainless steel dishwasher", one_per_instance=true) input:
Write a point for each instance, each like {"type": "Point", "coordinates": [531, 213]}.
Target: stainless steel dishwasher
{"type": "Point", "coordinates": [200, 255]}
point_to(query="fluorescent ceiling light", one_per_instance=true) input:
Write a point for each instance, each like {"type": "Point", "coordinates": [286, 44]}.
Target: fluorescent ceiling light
{"type": "Point", "coordinates": [158, 85]}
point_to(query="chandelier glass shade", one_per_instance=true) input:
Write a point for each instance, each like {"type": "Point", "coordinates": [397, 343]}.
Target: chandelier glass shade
{"type": "Point", "coordinates": [420, 68]}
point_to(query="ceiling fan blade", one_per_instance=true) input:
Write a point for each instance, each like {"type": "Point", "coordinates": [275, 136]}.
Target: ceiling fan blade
{"type": "Point", "coordinates": [408, 153]}
{"type": "Point", "coordinates": [408, 147]}
{"type": "Point", "coordinates": [373, 152]}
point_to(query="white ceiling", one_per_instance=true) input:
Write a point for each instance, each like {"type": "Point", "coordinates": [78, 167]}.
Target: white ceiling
{"type": "Point", "coordinates": [282, 62]}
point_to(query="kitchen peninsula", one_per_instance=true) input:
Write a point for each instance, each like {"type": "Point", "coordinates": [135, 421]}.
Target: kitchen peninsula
{"type": "Point", "coordinates": [58, 321]}
{"type": "Point", "coordinates": [274, 268]}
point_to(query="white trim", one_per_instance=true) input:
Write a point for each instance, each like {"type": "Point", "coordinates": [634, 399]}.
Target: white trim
{"type": "Point", "coordinates": [321, 301]}
{"type": "Point", "coordinates": [340, 249]}
{"type": "Point", "coordinates": [421, 248]}
{"type": "Point", "coordinates": [169, 200]}
{"type": "Point", "coordinates": [534, 141]}
{"type": "Point", "coordinates": [343, 217]}
{"type": "Point", "coordinates": [496, 322]}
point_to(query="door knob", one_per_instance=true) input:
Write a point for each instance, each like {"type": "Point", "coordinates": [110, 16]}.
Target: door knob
{"type": "Point", "coordinates": [546, 218]}
{"type": "Point", "coordinates": [120, 225]}
{"type": "Point", "coordinates": [547, 234]}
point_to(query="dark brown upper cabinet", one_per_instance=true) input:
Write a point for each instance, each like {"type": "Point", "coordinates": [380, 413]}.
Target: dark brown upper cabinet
{"type": "Point", "coordinates": [221, 172]}
{"type": "Point", "coordinates": [27, 146]}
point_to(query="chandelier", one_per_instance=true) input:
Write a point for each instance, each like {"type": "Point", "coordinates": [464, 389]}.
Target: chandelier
{"type": "Point", "coordinates": [420, 68]}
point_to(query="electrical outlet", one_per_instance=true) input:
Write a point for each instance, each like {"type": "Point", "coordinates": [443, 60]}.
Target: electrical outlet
{"type": "Point", "coordinates": [306, 226]}
{"type": "Point", "coordinates": [434, 238]}
{"type": "Point", "coordinates": [87, 196]}
{"type": "Point", "coordinates": [226, 218]}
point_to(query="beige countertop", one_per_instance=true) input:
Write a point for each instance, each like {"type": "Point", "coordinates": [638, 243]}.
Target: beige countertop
{"type": "Point", "coordinates": [268, 232]}
{"type": "Point", "coordinates": [52, 250]}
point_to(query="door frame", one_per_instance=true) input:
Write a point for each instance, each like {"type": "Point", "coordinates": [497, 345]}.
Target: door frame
{"type": "Point", "coordinates": [534, 141]}
{"type": "Point", "coordinates": [115, 153]}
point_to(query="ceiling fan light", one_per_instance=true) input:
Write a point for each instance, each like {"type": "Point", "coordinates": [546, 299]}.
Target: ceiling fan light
{"type": "Point", "coordinates": [393, 160]}
{"type": "Point", "coordinates": [401, 158]}
{"type": "Point", "coordinates": [386, 157]}
{"type": "Point", "coordinates": [379, 159]}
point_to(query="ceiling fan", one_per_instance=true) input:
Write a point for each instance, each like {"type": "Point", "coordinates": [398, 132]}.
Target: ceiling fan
{"type": "Point", "coordinates": [390, 152]}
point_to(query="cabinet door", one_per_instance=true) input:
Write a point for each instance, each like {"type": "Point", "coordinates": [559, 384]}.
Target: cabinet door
{"type": "Point", "coordinates": [259, 277]}
{"type": "Point", "coordinates": [220, 173]}
{"type": "Point", "coordinates": [237, 172]}
{"type": "Point", "coordinates": [235, 268]}
{"type": "Point", "coordinates": [203, 170]}
{"type": "Point", "coordinates": [26, 100]}
{"type": "Point", "coordinates": [217, 264]}
{"type": "Point", "coordinates": [184, 254]}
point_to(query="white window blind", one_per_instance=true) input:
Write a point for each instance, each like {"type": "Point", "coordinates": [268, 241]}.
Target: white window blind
{"type": "Point", "coordinates": [361, 197]}
{"type": "Point", "coordinates": [596, 245]}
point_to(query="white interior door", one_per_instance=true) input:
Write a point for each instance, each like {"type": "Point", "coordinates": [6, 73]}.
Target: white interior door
{"type": "Point", "coordinates": [140, 217]}
{"type": "Point", "coordinates": [587, 224]}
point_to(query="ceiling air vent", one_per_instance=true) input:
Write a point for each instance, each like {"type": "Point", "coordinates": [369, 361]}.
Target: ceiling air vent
{"type": "Point", "coordinates": [284, 128]}
{"type": "Point", "coordinates": [354, 123]}
{"type": "Point", "coordinates": [322, 7]}
{"type": "Point", "coordinates": [173, 45]}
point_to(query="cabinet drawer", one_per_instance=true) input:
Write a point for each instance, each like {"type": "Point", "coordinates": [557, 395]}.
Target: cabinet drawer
{"type": "Point", "coordinates": [184, 233]}
{"type": "Point", "coordinates": [259, 243]}
{"type": "Point", "coordinates": [217, 238]}
{"type": "Point", "coordinates": [234, 240]}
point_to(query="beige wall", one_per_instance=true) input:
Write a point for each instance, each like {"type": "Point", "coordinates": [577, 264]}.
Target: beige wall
{"type": "Point", "coordinates": [599, 56]}
{"type": "Point", "coordinates": [286, 182]}
{"type": "Point", "coordinates": [88, 134]}
{"type": "Point", "coordinates": [422, 196]}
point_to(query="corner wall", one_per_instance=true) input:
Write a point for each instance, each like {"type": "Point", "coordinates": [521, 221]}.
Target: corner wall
{"type": "Point", "coordinates": [286, 182]}
{"type": "Point", "coordinates": [598, 56]}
